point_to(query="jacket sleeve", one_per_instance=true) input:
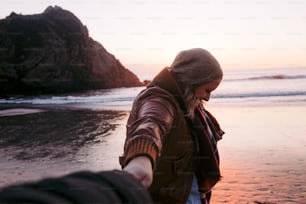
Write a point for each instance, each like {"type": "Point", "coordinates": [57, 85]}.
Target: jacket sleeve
{"type": "Point", "coordinates": [150, 120]}
{"type": "Point", "coordinates": [80, 187]}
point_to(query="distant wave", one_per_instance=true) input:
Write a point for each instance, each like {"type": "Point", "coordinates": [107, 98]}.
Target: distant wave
{"type": "Point", "coordinates": [278, 76]}
{"type": "Point", "coordinates": [63, 100]}
{"type": "Point", "coordinates": [269, 77]}
{"type": "Point", "coordinates": [266, 94]}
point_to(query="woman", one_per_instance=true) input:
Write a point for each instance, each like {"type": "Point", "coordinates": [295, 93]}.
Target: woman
{"type": "Point", "coordinates": [171, 139]}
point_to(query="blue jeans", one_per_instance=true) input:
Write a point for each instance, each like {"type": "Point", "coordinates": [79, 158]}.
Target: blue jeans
{"type": "Point", "coordinates": [194, 196]}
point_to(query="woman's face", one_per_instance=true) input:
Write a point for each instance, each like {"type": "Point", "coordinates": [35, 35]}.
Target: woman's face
{"type": "Point", "coordinates": [203, 91]}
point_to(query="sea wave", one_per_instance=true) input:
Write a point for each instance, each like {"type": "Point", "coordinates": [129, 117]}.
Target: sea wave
{"type": "Point", "coordinates": [101, 99]}
{"type": "Point", "coordinates": [268, 77]}
{"type": "Point", "coordinates": [62, 100]}
{"type": "Point", "coordinates": [260, 94]}
{"type": "Point", "coordinates": [278, 76]}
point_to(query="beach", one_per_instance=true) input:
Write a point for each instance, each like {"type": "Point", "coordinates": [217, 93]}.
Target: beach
{"type": "Point", "coordinates": [263, 153]}
{"type": "Point", "coordinates": [44, 141]}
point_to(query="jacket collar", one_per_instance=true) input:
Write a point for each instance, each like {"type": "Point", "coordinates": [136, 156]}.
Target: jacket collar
{"type": "Point", "coordinates": [166, 81]}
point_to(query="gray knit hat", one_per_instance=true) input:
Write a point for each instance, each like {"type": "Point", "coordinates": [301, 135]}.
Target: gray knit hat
{"type": "Point", "coordinates": [195, 67]}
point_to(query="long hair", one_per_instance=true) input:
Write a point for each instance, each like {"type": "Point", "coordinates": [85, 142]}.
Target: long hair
{"type": "Point", "coordinates": [191, 100]}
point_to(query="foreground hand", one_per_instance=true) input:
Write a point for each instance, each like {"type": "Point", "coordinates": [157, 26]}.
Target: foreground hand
{"type": "Point", "coordinates": [141, 168]}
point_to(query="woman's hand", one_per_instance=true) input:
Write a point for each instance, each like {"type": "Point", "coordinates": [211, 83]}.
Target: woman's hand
{"type": "Point", "coordinates": [141, 168]}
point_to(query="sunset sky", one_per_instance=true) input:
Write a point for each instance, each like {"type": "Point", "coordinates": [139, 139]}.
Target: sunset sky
{"type": "Point", "coordinates": [145, 35]}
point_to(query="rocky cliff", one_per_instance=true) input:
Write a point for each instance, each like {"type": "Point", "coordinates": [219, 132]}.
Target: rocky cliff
{"type": "Point", "coordinates": [52, 52]}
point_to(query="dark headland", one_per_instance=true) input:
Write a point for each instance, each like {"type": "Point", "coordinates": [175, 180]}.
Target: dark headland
{"type": "Point", "coordinates": [52, 52]}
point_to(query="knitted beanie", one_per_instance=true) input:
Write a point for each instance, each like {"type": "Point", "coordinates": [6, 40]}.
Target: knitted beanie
{"type": "Point", "coordinates": [196, 67]}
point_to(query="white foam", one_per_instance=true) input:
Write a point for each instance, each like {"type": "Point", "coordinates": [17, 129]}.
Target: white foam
{"type": "Point", "coordinates": [18, 111]}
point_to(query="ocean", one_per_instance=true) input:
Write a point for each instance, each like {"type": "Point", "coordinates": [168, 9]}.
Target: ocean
{"type": "Point", "coordinates": [239, 87]}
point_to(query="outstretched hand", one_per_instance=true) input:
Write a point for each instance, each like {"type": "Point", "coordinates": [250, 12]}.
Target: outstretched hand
{"type": "Point", "coordinates": [141, 168]}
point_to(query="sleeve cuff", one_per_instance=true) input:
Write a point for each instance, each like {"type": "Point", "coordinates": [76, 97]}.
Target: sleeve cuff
{"type": "Point", "coordinates": [140, 147]}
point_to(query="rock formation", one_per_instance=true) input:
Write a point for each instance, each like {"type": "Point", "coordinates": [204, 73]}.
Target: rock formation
{"type": "Point", "coordinates": [52, 52]}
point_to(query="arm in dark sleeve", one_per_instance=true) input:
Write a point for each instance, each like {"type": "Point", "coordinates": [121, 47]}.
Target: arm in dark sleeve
{"type": "Point", "coordinates": [82, 187]}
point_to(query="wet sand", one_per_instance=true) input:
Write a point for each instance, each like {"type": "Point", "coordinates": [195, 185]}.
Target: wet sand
{"type": "Point", "coordinates": [56, 141]}
{"type": "Point", "coordinates": [263, 153]}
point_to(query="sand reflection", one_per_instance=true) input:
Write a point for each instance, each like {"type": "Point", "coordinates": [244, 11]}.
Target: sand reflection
{"type": "Point", "coordinates": [263, 155]}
